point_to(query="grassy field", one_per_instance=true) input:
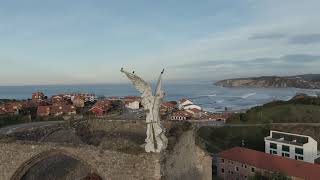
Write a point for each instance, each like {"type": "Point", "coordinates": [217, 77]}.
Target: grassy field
{"type": "Point", "coordinates": [216, 139]}
{"type": "Point", "coordinates": [293, 111]}
{"type": "Point", "coordinates": [7, 120]}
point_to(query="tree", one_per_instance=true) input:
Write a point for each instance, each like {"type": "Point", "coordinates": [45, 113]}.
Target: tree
{"type": "Point", "coordinates": [243, 117]}
{"type": "Point", "coordinates": [269, 176]}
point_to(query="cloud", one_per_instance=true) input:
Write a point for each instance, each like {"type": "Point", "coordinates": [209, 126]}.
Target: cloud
{"type": "Point", "coordinates": [267, 36]}
{"type": "Point", "coordinates": [301, 39]}
{"type": "Point", "coordinates": [301, 58]}
{"type": "Point", "coordinates": [305, 39]}
{"type": "Point", "coordinates": [221, 69]}
{"type": "Point", "coordinates": [283, 62]}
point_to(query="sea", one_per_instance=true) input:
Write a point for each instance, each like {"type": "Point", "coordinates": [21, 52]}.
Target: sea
{"type": "Point", "coordinates": [204, 93]}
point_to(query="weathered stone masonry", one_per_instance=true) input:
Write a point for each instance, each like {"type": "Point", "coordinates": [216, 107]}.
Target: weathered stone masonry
{"type": "Point", "coordinates": [183, 161]}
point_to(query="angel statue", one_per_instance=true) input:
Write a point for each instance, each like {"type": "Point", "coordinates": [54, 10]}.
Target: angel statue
{"type": "Point", "coordinates": [156, 140]}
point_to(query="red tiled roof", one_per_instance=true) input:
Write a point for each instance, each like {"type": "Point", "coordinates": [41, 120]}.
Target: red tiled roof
{"type": "Point", "coordinates": [132, 97]}
{"type": "Point", "coordinates": [169, 104]}
{"type": "Point", "coordinates": [182, 114]}
{"type": "Point", "coordinates": [3, 110]}
{"type": "Point", "coordinates": [43, 110]}
{"type": "Point", "coordinates": [63, 109]}
{"type": "Point", "coordinates": [270, 162]}
{"type": "Point", "coordinates": [12, 107]}
{"type": "Point", "coordinates": [195, 110]}
{"type": "Point", "coordinates": [38, 94]}
{"type": "Point", "coordinates": [78, 97]}
{"type": "Point", "coordinates": [102, 103]}
{"type": "Point", "coordinates": [128, 101]}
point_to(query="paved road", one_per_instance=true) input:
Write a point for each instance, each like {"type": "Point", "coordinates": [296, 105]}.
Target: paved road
{"type": "Point", "coordinates": [26, 126]}
{"type": "Point", "coordinates": [21, 127]}
{"type": "Point", "coordinates": [220, 123]}
{"type": "Point", "coordinates": [282, 124]}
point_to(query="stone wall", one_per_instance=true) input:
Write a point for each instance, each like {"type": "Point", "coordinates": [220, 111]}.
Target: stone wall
{"type": "Point", "coordinates": [186, 161]}
{"type": "Point", "coordinates": [17, 157]}
{"type": "Point", "coordinates": [183, 159]}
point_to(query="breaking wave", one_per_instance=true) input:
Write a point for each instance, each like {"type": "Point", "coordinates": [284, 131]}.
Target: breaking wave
{"type": "Point", "coordinates": [248, 95]}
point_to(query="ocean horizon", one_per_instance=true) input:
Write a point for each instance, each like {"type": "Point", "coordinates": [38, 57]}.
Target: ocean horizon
{"type": "Point", "coordinates": [204, 93]}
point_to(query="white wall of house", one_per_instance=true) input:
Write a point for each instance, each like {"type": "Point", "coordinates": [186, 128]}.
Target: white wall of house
{"type": "Point", "coordinates": [192, 106]}
{"type": "Point", "coordinates": [183, 104]}
{"type": "Point", "coordinates": [309, 149]}
{"type": "Point", "coordinates": [133, 105]}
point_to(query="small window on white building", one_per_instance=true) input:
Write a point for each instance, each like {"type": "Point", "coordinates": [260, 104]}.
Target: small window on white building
{"type": "Point", "coordinates": [285, 155]}
{"type": "Point", "coordinates": [299, 151]}
{"type": "Point", "coordinates": [274, 152]}
{"type": "Point", "coordinates": [273, 146]}
{"type": "Point", "coordinates": [252, 169]}
{"type": "Point", "coordinates": [299, 158]}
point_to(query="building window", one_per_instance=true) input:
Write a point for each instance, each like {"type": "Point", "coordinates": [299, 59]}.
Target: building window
{"type": "Point", "coordinates": [222, 160]}
{"type": "Point", "coordinates": [245, 166]}
{"type": "Point", "coordinates": [285, 148]}
{"type": "Point", "coordinates": [299, 151]}
{"type": "Point", "coordinates": [273, 146]}
{"type": "Point", "coordinates": [222, 170]}
{"type": "Point", "coordinates": [237, 169]}
{"type": "Point", "coordinates": [299, 158]}
{"type": "Point", "coordinates": [274, 152]}
{"type": "Point", "coordinates": [285, 155]}
{"type": "Point", "coordinates": [252, 169]}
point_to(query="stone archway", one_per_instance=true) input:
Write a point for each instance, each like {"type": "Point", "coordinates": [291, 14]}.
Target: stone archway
{"type": "Point", "coordinates": [51, 165]}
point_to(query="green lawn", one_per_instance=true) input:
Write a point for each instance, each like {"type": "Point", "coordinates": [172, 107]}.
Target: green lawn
{"type": "Point", "coordinates": [279, 113]}
{"type": "Point", "coordinates": [216, 139]}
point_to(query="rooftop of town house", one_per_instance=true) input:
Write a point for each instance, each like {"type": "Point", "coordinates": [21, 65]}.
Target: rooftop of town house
{"type": "Point", "coordinates": [270, 162]}
{"type": "Point", "coordinates": [62, 108]}
{"type": "Point", "coordinates": [195, 110]}
{"type": "Point", "coordinates": [181, 113]}
{"type": "Point", "coordinates": [169, 104]}
{"type": "Point", "coordinates": [3, 110]}
{"type": "Point", "coordinates": [43, 109]}
{"type": "Point", "coordinates": [38, 93]}
{"type": "Point", "coordinates": [184, 100]}
{"type": "Point", "coordinates": [102, 103]}
{"type": "Point", "coordinates": [132, 97]}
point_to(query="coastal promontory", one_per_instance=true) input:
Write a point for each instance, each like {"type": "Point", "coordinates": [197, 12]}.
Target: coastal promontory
{"type": "Point", "coordinates": [306, 81]}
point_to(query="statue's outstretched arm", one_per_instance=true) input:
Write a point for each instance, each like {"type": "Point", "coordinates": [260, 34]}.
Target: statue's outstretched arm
{"type": "Point", "coordinates": [143, 87]}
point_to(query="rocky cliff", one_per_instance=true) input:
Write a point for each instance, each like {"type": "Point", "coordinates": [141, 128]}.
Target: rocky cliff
{"type": "Point", "coordinates": [307, 81]}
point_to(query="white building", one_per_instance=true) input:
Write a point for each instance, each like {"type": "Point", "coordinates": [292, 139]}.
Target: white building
{"type": "Point", "coordinates": [294, 146]}
{"type": "Point", "coordinates": [134, 105]}
{"type": "Point", "coordinates": [185, 104]}
{"type": "Point", "coordinates": [192, 106]}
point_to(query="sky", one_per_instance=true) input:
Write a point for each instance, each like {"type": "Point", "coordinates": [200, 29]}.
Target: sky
{"type": "Point", "coordinates": [87, 42]}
